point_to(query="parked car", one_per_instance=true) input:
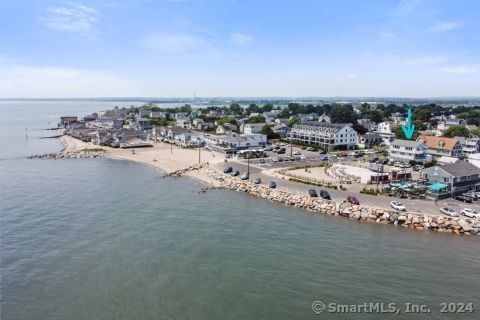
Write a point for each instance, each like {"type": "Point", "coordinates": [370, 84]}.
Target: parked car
{"type": "Point", "coordinates": [325, 195]}
{"type": "Point", "coordinates": [310, 149]}
{"type": "Point", "coordinates": [257, 181]}
{"type": "Point", "coordinates": [268, 148]}
{"type": "Point", "coordinates": [282, 151]}
{"type": "Point", "coordinates": [470, 213]}
{"type": "Point", "coordinates": [353, 200]}
{"type": "Point", "coordinates": [228, 170]}
{"type": "Point", "coordinates": [302, 157]}
{"type": "Point", "coordinates": [292, 158]}
{"type": "Point", "coordinates": [343, 154]}
{"type": "Point", "coordinates": [244, 176]}
{"type": "Point", "coordinates": [472, 194]}
{"type": "Point", "coordinates": [449, 212]}
{"type": "Point", "coordinates": [272, 184]}
{"type": "Point", "coordinates": [324, 158]}
{"type": "Point", "coordinates": [323, 152]}
{"type": "Point", "coordinates": [297, 153]}
{"type": "Point", "coordinates": [262, 161]}
{"type": "Point", "coordinates": [397, 206]}
{"type": "Point", "coordinates": [312, 193]}
{"type": "Point", "coordinates": [235, 173]}
{"type": "Point", "coordinates": [463, 198]}
{"type": "Point", "coordinates": [275, 159]}
{"type": "Point", "coordinates": [375, 159]}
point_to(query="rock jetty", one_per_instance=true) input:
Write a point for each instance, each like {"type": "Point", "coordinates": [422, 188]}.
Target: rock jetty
{"type": "Point", "coordinates": [417, 221]}
{"type": "Point", "coordinates": [181, 172]}
{"type": "Point", "coordinates": [69, 155]}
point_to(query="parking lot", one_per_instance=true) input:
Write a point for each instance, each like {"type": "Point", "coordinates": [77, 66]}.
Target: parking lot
{"type": "Point", "coordinates": [260, 170]}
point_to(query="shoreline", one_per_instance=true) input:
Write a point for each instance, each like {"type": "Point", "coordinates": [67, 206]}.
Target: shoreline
{"type": "Point", "coordinates": [184, 162]}
{"type": "Point", "coordinates": [168, 159]}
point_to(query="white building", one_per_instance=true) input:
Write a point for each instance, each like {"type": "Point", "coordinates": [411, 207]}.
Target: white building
{"type": "Point", "coordinates": [235, 142]}
{"type": "Point", "coordinates": [384, 127]}
{"type": "Point", "coordinates": [406, 150]}
{"type": "Point", "coordinates": [189, 139]}
{"type": "Point", "coordinates": [472, 145]}
{"type": "Point", "coordinates": [474, 159]}
{"type": "Point", "coordinates": [253, 128]}
{"type": "Point", "coordinates": [334, 135]}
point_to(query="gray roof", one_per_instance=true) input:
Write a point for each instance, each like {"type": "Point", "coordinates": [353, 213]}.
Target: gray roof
{"type": "Point", "coordinates": [406, 143]}
{"type": "Point", "coordinates": [328, 125]}
{"type": "Point", "coordinates": [460, 169]}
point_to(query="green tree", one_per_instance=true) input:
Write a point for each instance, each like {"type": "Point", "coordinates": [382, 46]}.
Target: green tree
{"type": "Point", "coordinates": [293, 121]}
{"type": "Point", "coordinates": [456, 131]}
{"type": "Point", "coordinates": [257, 119]}
{"type": "Point", "coordinates": [267, 130]}
{"type": "Point", "coordinates": [475, 132]}
{"type": "Point", "coordinates": [343, 114]}
{"type": "Point", "coordinates": [235, 108]}
{"type": "Point", "coordinates": [227, 120]}
{"type": "Point", "coordinates": [399, 134]}
{"type": "Point", "coordinates": [267, 107]}
{"type": "Point", "coordinates": [375, 116]}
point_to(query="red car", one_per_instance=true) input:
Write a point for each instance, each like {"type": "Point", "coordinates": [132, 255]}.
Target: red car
{"type": "Point", "coordinates": [343, 154]}
{"type": "Point", "coordinates": [353, 200]}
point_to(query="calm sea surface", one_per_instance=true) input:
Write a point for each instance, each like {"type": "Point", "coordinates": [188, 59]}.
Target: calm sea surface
{"type": "Point", "coordinates": [105, 239]}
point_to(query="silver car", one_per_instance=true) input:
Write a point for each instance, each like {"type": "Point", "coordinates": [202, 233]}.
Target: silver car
{"type": "Point", "coordinates": [449, 212]}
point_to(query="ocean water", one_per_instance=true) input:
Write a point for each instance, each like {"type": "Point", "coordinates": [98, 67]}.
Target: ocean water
{"type": "Point", "coordinates": [106, 239]}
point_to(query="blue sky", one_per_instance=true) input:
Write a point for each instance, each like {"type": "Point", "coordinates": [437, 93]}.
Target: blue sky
{"type": "Point", "coordinates": [411, 48]}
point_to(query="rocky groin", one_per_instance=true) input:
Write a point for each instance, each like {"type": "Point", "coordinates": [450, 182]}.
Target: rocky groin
{"type": "Point", "coordinates": [69, 155]}
{"type": "Point", "coordinates": [418, 221]}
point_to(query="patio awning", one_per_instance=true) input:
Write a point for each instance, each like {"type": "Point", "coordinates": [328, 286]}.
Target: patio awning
{"type": "Point", "coordinates": [437, 186]}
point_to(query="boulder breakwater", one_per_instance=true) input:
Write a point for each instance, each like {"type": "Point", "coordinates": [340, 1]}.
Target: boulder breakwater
{"type": "Point", "coordinates": [417, 221]}
{"type": "Point", "coordinates": [70, 155]}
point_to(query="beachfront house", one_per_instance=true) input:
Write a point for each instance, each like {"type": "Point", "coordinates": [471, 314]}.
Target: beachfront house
{"type": "Point", "coordinates": [234, 142]}
{"type": "Point", "coordinates": [407, 150]}
{"type": "Point", "coordinates": [190, 139]}
{"type": "Point", "coordinates": [171, 132]}
{"type": "Point", "coordinates": [441, 146]}
{"type": "Point", "coordinates": [451, 179]}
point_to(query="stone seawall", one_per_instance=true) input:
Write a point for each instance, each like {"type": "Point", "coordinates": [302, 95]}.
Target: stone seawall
{"type": "Point", "coordinates": [410, 220]}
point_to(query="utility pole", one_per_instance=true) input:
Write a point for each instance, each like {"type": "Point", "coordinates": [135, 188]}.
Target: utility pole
{"type": "Point", "coordinates": [378, 170]}
{"type": "Point", "coordinates": [248, 166]}
{"type": "Point", "coordinates": [199, 148]}
{"type": "Point", "coordinates": [171, 148]}
{"type": "Point", "coordinates": [291, 149]}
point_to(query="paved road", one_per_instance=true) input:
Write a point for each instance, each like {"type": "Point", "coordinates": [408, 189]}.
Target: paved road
{"type": "Point", "coordinates": [417, 205]}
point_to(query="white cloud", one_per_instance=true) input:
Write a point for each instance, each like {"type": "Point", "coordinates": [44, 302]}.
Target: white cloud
{"type": "Point", "coordinates": [51, 81]}
{"type": "Point", "coordinates": [444, 26]}
{"type": "Point", "coordinates": [351, 75]}
{"type": "Point", "coordinates": [71, 18]}
{"type": "Point", "coordinates": [241, 39]}
{"type": "Point", "coordinates": [461, 70]}
{"type": "Point", "coordinates": [173, 42]}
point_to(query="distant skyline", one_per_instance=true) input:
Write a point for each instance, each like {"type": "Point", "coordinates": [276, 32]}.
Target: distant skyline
{"type": "Point", "coordinates": [166, 48]}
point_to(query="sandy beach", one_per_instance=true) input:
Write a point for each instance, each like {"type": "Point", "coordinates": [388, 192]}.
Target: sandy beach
{"type": "Point", "coordinates": [163, 156]}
